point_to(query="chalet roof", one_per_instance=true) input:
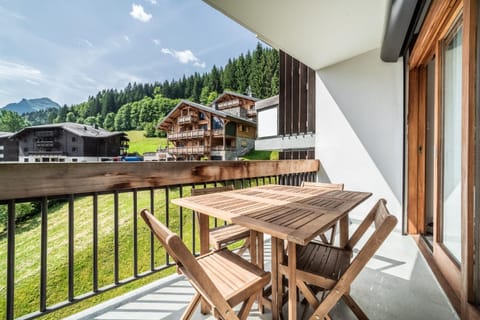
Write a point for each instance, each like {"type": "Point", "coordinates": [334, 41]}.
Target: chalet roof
{"type": "Point", "coordinates": [4, 134]}
{"type": "Point", "coordinates": [205, 109]}
{"type": "Point", "coordinates": [266, 103]}
{"type": "Point", "coordinates": [81, 130]}
{"type": "Point", "coordinates": [225, 93]}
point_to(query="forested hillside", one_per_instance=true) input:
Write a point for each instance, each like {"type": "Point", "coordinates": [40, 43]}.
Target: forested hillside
{"type": "Point", "coordinates": [141, 106]}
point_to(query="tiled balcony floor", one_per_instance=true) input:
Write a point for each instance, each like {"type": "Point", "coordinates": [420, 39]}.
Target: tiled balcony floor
{"type": "Point", "coordinates": [397, 284]}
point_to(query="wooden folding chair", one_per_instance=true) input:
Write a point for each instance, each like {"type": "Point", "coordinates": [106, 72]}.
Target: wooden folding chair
{"type": "Point", "coordinates": [225, 235]}
{"type": "Point", "coordinates": [333, 269]}
{"type": "Point", "coordinates": [328, 186]}
{"type": "Point", "coordinates": [220, 278]}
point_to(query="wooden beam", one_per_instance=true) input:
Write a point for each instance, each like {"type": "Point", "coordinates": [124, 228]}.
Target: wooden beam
{"type": "Point", "coordinates": [412, 151]}
{"type": "Point", "coordinates": [46, 179]}
{"type": "Point", "coordinates": [469, 82]}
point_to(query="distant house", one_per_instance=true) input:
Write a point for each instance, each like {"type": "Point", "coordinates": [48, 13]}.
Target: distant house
{"type": "Point", "coordinates": [236, 104]}
{"type": "Point", "coordinates": [223, 131]}
{"type": "Point", "coordinates": [68, 142]}
{"type": "Point", "coordinates": [8, 147]}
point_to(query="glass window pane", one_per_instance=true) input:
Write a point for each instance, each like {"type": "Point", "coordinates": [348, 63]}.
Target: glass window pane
{"type": "Point", "coordinates": [452, 145]}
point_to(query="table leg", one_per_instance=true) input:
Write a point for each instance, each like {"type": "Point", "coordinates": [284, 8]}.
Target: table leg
{"type": "Point", "coordinates": [204, 229]}
{"type": "Point", "coordinates": [292, 281]}
{"type": "Point", "coordinates": [275, 276]}
{"type": "Point", "coordinates": [344, 222]}
{"type": "Point", "coordinates": [261, 264]}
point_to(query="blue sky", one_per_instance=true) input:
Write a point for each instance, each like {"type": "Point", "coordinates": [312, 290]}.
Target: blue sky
{"type": "Point", "coordinates": [68, 50]}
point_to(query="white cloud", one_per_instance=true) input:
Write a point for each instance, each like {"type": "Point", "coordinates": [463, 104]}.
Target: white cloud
{"type": "Point", "coordinates": [156, 42]}
{"type": "Point", "coordinates": [139, 13]}
{"type": "Point", "coordinates": [85, 43]}
{"type": "Point", "coordinates": [127, 38]}
{"type": "Point", "coordinates": [185, 56]}
{"type": "Point", "coordinates": [12, 14]}
{"type": "Point", "coordinates": [35, 83]}
{"type": "Point", "coordinates": [154, 2]}
{"type": "Point", "coordinates": [9, 70]}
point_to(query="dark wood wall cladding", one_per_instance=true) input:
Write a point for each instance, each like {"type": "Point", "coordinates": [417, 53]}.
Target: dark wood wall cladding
{"type": "Point", "coordinates": [297, 97]}
{"type": "Point", "coordinates": [297, 154]}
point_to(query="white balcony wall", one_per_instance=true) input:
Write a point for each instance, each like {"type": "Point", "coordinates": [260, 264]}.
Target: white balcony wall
{"type": "Point", "coordinates": [267, 120]}
{"type": "Point", "coordinates": [359, 128]}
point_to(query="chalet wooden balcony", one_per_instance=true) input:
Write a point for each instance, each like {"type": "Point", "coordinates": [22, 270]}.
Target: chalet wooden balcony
{"type": "Point", "coordinates": [191, 134]}
{"type": "Point", "coordinates": [222, 148]}
{"type": "Point", "coordinates": [251, 112]}
{"type": "Point", "coordinates": [228, 104]}
{"type": "Point", "coordinates": [84, 189]}
{"type": "Point", "coordinates": [194, 150]}
{"type": "Point", "coordinates": [187, 119]}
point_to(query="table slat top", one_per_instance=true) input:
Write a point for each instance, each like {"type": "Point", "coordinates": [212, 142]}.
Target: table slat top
{"type": "Point", "coordinates": [286, 212]}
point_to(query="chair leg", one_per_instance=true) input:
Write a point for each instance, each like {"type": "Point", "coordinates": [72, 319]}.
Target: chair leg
{"type": "Point", "coordinates": [354, 306]}
{"type": "Point", "coordinates": [246, 307]}
{"type": "Point", "coordinates": [191, 306]}
{"type": "Point", "coordinates": [244, 248]}
{"type": "Point", "coordinates": [332, 236]}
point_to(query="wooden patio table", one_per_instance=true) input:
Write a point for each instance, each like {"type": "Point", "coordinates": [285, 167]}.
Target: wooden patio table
{"type": "Point", "coordinates": [289, 213]}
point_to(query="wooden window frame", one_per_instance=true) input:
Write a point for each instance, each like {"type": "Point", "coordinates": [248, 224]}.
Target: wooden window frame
{"type": "Point", "coordinates": [458, 281]}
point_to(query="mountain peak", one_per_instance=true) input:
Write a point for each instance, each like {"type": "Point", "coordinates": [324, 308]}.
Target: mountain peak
{"type": "Point", "coordinates": [31, 105]}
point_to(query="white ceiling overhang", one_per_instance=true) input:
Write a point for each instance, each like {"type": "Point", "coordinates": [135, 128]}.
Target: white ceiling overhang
{"type": "Point", "coordinates": [317, 32]}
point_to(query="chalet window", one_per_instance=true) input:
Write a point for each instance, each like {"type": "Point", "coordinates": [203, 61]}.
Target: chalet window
{"type": "Point", "coordinates": [201, 116]}
{"type": "Point", "coordinates": [25, 149]}
{"type": "Point", "coordinates": [37, 159]}
{"type": "Point", "coordinates": [74, 160]}
{"type": "Point", "coordinates": [74, 139]}
{"type": "Point", "coordinates": [25, 159]}
{"type": "Point", "coordinates": [74, 149]}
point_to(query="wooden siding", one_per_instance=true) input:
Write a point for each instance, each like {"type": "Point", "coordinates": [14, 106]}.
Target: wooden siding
{"type": "Point", "coordinates": [297, 154]}
{"type": "Point", "coordinates": [297, 97]}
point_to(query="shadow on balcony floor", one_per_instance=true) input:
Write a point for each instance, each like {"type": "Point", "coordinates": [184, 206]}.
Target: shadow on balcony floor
{"type": "Point", "coordinates": [397, 284]}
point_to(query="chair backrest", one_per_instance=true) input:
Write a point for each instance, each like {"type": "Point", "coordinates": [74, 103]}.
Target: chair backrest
{"type": "Point", "coordinates": [198, 192]}
{"type": "Point", "coordinates": [384, 223]}
{"type": "Point", "coordinates": [187, 263]}
{"type": "Point", "coordinates": [333, 186]}
{"type": "Point", "coordinates": [380, 217]}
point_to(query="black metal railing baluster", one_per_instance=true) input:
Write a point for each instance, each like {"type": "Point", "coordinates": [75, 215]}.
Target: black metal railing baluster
{"type": "Point", "coordinates": [71, 247]}
{"type": "Point", "coordinates": [95, 243]}
{"type": "Point", "coordinates": [43, 254]}
{"type": "Point", "coordinates": [135, 233]}
{"type": "Point", "coordinates": [193, 227]}
{"type": "Point", "coordinates": [115, 238]}
{"type": "Point", "coordinates": [180, 194]}
{"type": "Point", "coordinates": [10, 259]}
{"type": "Point", "coordinates": [167, 220]}
{"type": "Point", "coordinates": [152, 243]}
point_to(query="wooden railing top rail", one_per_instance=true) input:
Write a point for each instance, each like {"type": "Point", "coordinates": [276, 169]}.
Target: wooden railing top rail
{"type": "Point", "coordinates": [21, 180]}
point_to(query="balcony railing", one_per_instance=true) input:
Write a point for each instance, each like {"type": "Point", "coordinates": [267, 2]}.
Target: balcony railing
{"type": "Point", "coordinates": [228, 104]}
{"type": "Point", "coordinates": [251, 112]}
{"type": "Point", "coordinates": [188, 150]}
{"type": "Point", "coordinates": [187, 119]}
{"type": "Point", "coordinates": [200, 133]}
{"type": "Point", "coordinates": [125, 188]}
{"type": "Point", "coordinates": [222, 148]}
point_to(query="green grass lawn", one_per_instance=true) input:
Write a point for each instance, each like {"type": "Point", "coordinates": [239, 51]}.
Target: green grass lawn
{"type": "Point", "coordinates": [139, 143]}
{"type": "Point", "coordinates": [261, 155]}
